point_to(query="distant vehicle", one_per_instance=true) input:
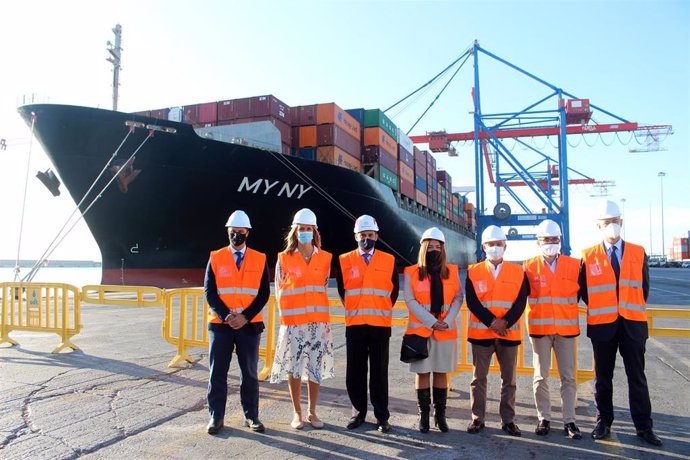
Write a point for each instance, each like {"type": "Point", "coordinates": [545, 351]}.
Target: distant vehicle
{"type": "Point", "coordinates": [674, 264]}
{"type": "Point", "coordinates": [685, 264]}
{"type": "Point", "coordinates": [653, 262]}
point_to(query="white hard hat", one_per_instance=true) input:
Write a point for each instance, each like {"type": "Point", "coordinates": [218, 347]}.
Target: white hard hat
{"type": "Point", "coordinates": [366, 223]}
{"type": "Point", "coordinates": [548, 228]}
{"type": "Point", "coordinates": [493, 233]}
{"type": "Point", "coordinates": [304, 216]}
{"type": "Point", "coordinates": [608, 209]}
{"type": "Point", "coordinates": [238, 219]}
{"type": "Point", "coordinates": [433, 233]}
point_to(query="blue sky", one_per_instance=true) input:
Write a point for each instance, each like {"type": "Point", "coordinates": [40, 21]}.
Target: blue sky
{"type": "Point", "coordinates": [630, 57]}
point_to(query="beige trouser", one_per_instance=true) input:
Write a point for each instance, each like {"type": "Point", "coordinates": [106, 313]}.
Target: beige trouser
{"type": "Point", "coordinates": [507, 361]}
{"type": "Point", "coordinates": [564, 347]}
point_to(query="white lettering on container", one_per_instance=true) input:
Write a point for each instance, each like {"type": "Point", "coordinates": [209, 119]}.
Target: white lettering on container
{"type": "Point", "coordinates": [288, 189]}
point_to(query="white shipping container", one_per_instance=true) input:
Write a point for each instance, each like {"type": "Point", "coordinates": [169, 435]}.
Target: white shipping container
{"type": "Point", "coordinates": [405, 141]}
{"type": "Point", "coordinates": [175, 114]}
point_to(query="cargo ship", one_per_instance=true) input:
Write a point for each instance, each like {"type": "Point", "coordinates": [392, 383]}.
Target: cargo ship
{"type": "Point", "coordinates": [156, 216]}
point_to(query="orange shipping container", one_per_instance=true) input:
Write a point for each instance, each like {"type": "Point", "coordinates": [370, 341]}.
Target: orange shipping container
{"type": "Point", "coordinates": [405, 172]}
{"type": "Point", "coordinates": [335, 156]}
{"type": "Point", "coordinates": [377, 136]}
{"type": "Point", "coordinates": [331, 113]}
{"type": "Point", "coordinates": [307, 136]}
{"type": "Point", "coordinates": [421, 198]}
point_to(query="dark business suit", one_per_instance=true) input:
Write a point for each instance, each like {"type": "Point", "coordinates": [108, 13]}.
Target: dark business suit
{"type": "Point", "coordinates": [368, 343]}
{"type": "Point", "coordinates": [629, 337]}
{"type": "Point", "coordinates": [244, 341]}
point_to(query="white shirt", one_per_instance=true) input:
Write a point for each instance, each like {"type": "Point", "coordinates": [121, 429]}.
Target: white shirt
{"type": "Point", "coordinates": [495, 269]}
{"type": "Point", "coordinates": [552, 265]}
{"type": "Point", "coordinates": [619, 249]}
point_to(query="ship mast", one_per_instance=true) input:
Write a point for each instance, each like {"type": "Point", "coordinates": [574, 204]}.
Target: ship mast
{"type": "Point", "coordinates": [114, 58]}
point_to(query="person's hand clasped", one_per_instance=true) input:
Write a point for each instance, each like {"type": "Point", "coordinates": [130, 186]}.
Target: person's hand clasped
{"type": "Point", "coordinates": [237, 321]}
{"type": "Point", "coordinates": [499, 326]}
{"type": "Point", "coordinates": [440, 326]}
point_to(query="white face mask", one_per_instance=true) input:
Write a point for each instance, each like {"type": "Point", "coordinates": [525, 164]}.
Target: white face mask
{"type": "Point", "coordinates": [550, 250]}
{"type": "Point", "coordinates": [612, 231]}
{"type": "Point", "coordinates": [494, 253]}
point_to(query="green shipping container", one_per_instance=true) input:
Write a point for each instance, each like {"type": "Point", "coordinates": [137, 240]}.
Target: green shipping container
{"type": "Point", "coordinates": [376, 117]}
{"type": "Point", "coordinates": [388, 177]}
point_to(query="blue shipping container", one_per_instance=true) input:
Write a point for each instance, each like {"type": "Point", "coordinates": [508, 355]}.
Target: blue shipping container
{"type": "Point", "coordinates": [307, 153]}
{"type": "Point", "coordinates": [420, 183]}
{"type": "Point", "coordinates": [357, 114]}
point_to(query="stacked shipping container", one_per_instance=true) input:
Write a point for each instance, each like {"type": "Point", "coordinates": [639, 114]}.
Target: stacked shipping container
{"type": "Point", "coordinates": [358, 139]}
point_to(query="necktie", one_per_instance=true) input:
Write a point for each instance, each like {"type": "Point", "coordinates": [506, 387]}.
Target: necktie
{"type": "Point", "coordinates": [614, 263]}
{"type": "Point", "coordinates": [238, 259]}
{"type": "Point", "coordinates": [366, 257]}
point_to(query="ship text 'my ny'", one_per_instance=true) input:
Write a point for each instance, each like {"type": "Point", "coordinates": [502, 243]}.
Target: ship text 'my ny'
{"type": "Point", "coordinates": [265, 186]}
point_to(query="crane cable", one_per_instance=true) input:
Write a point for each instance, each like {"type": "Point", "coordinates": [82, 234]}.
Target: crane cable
{"type": "Point", "coordinates": [26, 185]}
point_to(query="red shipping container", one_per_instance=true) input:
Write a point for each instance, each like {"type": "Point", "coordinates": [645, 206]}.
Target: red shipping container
{"type": "Point", "coordinates": [405, 156]}
{"type": "Point", "coordinates": [420, 169]}
{"type": "Point", "coordinates": [331, 113]}
{"type": "Point", "coordinates": [407, 188]}
{"type": "Point", "coordinates": [263, 106]}
{"type": "Point", "coordinates": [420, 155]}
{"type": "Point", "coordinates": [161, 114]}
{"type": "Point", "coordinates": [421, 198]}
{"type": "Point", "coordinates": [375, 154]}
{"type": "Point", "coordinates": [377, 136]}
{"type": "Point", "coordinates": [306, 115]}
{"type": "Point", "coordinates": [208, 112]}
{"type": "Point", "coordinates": [438, 142]}
{"type": "Point", "coordinates": [307, 136]}
{"type": "Point", "coordinates": [227, 110]}
{"type": "Point", "coordinates": [295, 137]}
{"type": "Point", "coordinates": [191, 114]}
{"type": "Point", "coordinates": [331, 134]}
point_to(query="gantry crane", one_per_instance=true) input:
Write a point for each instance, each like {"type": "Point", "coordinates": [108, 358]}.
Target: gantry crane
{"type": "Point", "coordinates": [548, 178]}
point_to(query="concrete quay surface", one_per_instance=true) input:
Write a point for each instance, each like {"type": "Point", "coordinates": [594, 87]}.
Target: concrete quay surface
{"type": "Point", "coordinates": [117, 398]}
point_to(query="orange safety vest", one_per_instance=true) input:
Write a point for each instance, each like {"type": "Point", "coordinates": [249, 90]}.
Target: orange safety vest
{"type": "Point", "coordinates": [303, 297]}
{"type": "Point", "coordinates": [603, 307]}
{"type": "Point", "coordinates": [237, 288]}
{"type": "Point", "coordinates": [498, 295]}
{"type": "Point", "coordinates": [368, 288]}
{"type": "Point", "coordinates": [552, 304]}
{"type": "Point", "coordinates": [422, 294]}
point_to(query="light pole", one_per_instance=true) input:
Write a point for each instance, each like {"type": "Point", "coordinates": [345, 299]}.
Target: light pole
{"type": "Point", "coordinates": [623, 206]}
{"type": "Point", "coordinates": [661, 181]}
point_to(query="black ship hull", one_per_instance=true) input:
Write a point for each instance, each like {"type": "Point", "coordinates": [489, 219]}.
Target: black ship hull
{"type": "Point", "coordinates": [156, 223]}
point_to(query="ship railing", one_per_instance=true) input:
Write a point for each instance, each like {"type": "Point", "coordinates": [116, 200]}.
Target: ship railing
{"type": "Point", "coordinates": [185, 326]}
{"type": "Point", "coordinates": [131, 296]}
{"type": "Point", "coordinates": [40, 307]}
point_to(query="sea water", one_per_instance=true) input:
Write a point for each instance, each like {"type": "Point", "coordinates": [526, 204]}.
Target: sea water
{"type": "Point", "coordinates": [76, 276]}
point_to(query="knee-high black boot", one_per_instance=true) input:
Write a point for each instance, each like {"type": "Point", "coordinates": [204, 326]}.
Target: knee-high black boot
{"type": "Point", "coordinates": [440, 396]}
{"type": "Point", "coordinates": [424, 404]}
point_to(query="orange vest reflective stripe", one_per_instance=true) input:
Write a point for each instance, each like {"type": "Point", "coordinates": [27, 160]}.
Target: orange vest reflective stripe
{"type": "Point", "coordinates": [552, 304]}
{"type": "Point", "coordinates": [498, 295]}
{"type": "Point", "coordinates": [303, 297]}
{"type": "Point", "coordinates": [422, 294]}
{"type": "Point", "coordinates": [368, 288]}
{"type": "Point", "coordinates": [603, 306]}
{"type": "Point", "coordinates": [237, 288]}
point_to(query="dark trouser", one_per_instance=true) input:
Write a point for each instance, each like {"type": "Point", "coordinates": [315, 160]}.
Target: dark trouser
{"type": "Point", "coordinates": [222, 340]}
{"type": "Point", "coordinates": [632, 352]}
{"type": "Point", "coordinates": [375, 348]}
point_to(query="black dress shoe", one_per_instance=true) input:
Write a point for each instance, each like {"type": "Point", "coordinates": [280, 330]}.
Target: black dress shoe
{"type": "Point", "coordinates": [214, 426]}
{"type": "Point", "coordinates": [572, 431]}
{"type": "Point", "coordinates": [383, 426]}
{"type": "Point", "coordinates": [355, 421]}
{"type": "Point", "coordinates": [512, 429]}
{"type": "Point", "coordinates": [255, 425]}
{"type": "Point", "coordinates": [649, 437]}
{"type": "Point", "coordinates": [475, 426]}
{"type": "Point", "coordinates": [601, 430]}
{"type": "Point", "coordinates": [543, 428]}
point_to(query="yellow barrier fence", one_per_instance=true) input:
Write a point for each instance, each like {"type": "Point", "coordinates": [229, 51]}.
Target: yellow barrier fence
{"type": "Point", "coordinates": [654, 314]}
{"type": "Point", "coordinates": [40, 307]}
{"type": "Point", "coordinates": [130, 296]}
{"type": "Point", "coordinates": [184, 326]}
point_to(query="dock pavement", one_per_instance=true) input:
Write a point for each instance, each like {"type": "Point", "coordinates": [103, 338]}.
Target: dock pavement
{"type": "Point", "coordinates": [116, 397]}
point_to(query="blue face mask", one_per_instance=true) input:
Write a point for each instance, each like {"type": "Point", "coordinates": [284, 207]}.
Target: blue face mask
{"type": "Point", "coordinates": [305, 237]}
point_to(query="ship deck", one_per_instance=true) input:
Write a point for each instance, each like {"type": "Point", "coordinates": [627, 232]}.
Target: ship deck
{"type": "Point", "coordinates": [116, 398]}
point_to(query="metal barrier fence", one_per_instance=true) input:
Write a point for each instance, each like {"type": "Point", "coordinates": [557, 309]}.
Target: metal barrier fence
{"type": "Point", "coordinates": [40, 307]}
{"type": "Point", "coordinates": [184, 326]}
{"type": "Point", "coordinates": [131, 296]}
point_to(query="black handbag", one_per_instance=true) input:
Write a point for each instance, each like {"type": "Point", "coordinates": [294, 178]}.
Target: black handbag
{"type": "Point", "coordinates": [414, 348]}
